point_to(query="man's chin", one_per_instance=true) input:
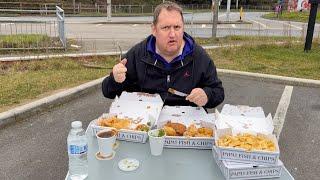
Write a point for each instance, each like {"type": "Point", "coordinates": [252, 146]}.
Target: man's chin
{"type": "Point", "coordinates": [173, 50]}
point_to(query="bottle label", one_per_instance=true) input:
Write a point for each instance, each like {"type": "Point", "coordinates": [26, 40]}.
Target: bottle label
{"type": "Point", "coordinates": [77, 150]}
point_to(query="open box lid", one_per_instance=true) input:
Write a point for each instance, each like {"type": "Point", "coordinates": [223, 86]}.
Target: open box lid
{"type": "Point", "coordinates": [244, 119]}
{"type": "Point", "coordinates": [139, 96]}
{"type": "Point", "coordinates": [186, 115]}
{"type": "Point", "coordinates": [137, 105]}
{"type": "Point", "coordinates": [243, 110]}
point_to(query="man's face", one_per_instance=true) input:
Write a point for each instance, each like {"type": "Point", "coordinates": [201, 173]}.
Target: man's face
{"type": "Point", "coordinates": [168, 32]}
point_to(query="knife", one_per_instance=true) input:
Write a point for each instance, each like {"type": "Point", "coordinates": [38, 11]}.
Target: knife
{"type": "Point", "coordinates": [178, 93]}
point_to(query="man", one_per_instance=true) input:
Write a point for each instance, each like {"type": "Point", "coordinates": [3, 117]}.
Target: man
{"type": "Point", "coordinates": [169, 58]}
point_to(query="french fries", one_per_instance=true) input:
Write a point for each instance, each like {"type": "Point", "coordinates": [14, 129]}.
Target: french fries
{"type": "Point", "coordinates": [248, 142]}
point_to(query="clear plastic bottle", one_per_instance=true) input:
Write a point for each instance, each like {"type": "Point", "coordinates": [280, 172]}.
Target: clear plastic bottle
{"type": "Point", "coordinates": [77, 152]}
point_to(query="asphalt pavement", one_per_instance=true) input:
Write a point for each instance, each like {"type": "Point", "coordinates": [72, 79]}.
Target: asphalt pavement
{"type": "Point", "coordinates": [35, 148]}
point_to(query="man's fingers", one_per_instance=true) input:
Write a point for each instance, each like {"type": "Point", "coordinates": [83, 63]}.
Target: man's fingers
{"type": "Point", "coordinates": [197, 96]}
{"type": "Point", "coordinates": [124, 61]}
{"type": "Point", "coordinates": [122, 78]}
{"type": "Point", "coordinates": [121, 70]}
{"type": "Point", "coordinates": [191, 96]}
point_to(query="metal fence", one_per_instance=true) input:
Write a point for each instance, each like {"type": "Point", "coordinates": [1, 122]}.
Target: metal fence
{"type": "Point", "coordinates": [81, 8]}
{"type": "Point", "coordinates": [49, 32]}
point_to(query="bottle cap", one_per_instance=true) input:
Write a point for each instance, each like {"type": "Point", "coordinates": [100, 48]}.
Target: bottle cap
{"type": "Point", "coordinates": [76, 124]}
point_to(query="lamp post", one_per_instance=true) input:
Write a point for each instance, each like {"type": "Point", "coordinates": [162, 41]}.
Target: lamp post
{"type": "Point", "coordinates": [228, 9]}
{"type": "Point", "coordinates": [215, 7]}
{"type": "Point", "coordinates": [108, 10]}
{"type": "Point", "coordinates": [311, 23]}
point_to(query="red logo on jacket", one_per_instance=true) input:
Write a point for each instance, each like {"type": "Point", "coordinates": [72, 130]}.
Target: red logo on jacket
{"type": "Point", "coordinates": [186, 74]}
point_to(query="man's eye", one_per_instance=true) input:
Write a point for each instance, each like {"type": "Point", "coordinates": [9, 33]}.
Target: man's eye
{"type": "Point", "coordinates": [177, 27]}
{"type": "Point", "coordinates": [165, 28]}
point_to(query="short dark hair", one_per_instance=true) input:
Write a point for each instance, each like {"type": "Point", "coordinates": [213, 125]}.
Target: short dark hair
{"type": "Point", "coordinates": [168, 5]}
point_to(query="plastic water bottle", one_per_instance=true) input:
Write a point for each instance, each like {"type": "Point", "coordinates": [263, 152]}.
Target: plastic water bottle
{"type": "Point", "coordinates": [77, 152]}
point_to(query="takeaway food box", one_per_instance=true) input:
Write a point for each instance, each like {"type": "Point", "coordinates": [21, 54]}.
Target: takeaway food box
{"type": "Point", "coordinates": [235, 120]}
{"type": "Point", "coordinates": [133, 114]}
{"type": "Point", "coordinates": [235, 170]}
{"type": "Point", "coordinates": [195, 119]}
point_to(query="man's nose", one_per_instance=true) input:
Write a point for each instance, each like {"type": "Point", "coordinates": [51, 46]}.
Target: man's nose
{"type": "Point", "coordinates": [172, 32]}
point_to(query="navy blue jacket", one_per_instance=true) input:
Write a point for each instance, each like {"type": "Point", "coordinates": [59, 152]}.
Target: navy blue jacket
{"type": "Point", "coordinates": [147, 72]}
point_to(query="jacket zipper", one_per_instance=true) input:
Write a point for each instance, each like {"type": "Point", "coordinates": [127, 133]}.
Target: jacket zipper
{"type": "Point", "coordinates": [168, 81]}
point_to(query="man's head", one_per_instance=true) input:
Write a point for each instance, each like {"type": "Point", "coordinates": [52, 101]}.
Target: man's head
{"type": "Point", "coordinates": [168, 28]}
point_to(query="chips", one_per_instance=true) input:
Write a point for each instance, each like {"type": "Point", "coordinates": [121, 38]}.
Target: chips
{"type": "Point", "coordinates": [248, 142]}
{"type": "Point", "coordinates": [115, 122]}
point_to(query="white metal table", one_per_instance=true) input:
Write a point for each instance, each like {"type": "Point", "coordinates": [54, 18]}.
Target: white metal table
{"type": "Point", "coordinates": [173, 164]}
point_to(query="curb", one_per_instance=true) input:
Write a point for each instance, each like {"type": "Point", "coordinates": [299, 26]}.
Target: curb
{"type": "Point", "coordinates": [37, 57]}
{"type": "Point", "coordinates": [271, 78]}
{"type": "Point", "coordinates": [24, 111]}
{"type": "Point", "coordinates": [27, 110]}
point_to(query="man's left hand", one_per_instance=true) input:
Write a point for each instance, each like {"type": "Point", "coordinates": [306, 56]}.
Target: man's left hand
{"type": "Point", "coordinates": [198, 96]}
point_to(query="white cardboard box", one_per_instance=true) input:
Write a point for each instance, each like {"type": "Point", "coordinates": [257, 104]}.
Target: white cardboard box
{"type": "Point", "coordinates": [124, 134]}
{"type": "Point", "coordinates": [141, 108]}
{"type": "Point", "coordinates": [243, 110]}
{"type": "Point", "coordinates": [242, 156]}
{"type": "Point", "coordinates": [137, 105]}
{"type": "Point", "coordinates": [187, 115]}
{"type": "Point", "coordinates": [234, 170]}
{"type": "Point", "coordinates": [251, 121]}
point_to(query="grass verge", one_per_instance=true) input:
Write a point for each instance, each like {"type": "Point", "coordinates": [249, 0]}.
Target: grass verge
{"type": "Point", "coordinates": [255, 40]}
{"type": "Point", "coordinates": [31, 43]}
{"type": "Point", "coordinates": [292, 16]}
{"type": "Point", "coordinates": [25, 81]}
{"type": "Point", "coordinates": [286, 59]}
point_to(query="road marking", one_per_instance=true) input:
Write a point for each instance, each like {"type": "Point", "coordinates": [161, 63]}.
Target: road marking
{"type": "Point", "coordinates": [5, 24]}
{"type": "Point", "coordinates": [297, 27]}
{"type": "Point", "coordinates": [222, 15]}
{"type": "Point", "coordinates": [280, 115]}
{"type": "Point", "coordinates": [75, 46]}
{"type": "Point", "coordinates": [257, 22]}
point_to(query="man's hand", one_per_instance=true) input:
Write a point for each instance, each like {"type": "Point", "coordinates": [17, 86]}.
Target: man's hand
{"type": "Point", "coordinates": [119, 71]}
{"type": "Point", "coordinates": [198, 96]}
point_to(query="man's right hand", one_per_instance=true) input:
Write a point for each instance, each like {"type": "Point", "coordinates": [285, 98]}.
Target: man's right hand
{"type": "Point", "coordinates": [119, 71]}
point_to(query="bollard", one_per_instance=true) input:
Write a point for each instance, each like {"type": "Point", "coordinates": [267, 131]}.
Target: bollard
{"type": "Point", "coordinates": [241, 13]}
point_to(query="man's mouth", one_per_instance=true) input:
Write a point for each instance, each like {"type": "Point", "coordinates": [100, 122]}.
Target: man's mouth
{"type": "Point", "coordinates": [171, 42]}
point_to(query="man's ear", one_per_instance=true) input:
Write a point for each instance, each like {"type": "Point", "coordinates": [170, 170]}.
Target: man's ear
{"type": "Point", "coordinates": [153, 29]}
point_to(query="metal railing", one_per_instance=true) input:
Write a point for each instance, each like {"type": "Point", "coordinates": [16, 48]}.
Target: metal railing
{"type": "Point", "coordinates": [61, 26]}
{"type": "Point", "coordinates": [53, 29]}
